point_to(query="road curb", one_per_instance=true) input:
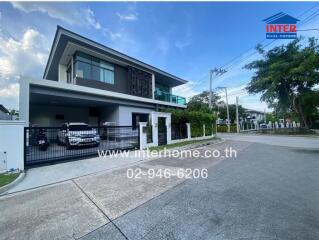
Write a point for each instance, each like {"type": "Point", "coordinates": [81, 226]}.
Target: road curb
{"type": "Point", "coordinates": [198, 145]}
{"type": "Point", "coordinates": [12, 184]}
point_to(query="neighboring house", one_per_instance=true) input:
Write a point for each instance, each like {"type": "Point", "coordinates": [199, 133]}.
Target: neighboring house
{"type": "Point", "coordinates": [85, 81]}
{"type": "Point", "coordinates": [4, 113]}
{"type": "Point", "coordinates": [255, 116]}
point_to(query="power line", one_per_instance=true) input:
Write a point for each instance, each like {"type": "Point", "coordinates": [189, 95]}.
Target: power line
{"type": "Point", "coordinates": [306, 19]}
{"type": "Point", "coordinates": [230, 64]}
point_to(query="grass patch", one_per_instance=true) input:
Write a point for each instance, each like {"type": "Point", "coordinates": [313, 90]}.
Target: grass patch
{"type": "Point", "coordinates": [7, 178]}
{"type": "Point", "coordinates": [180, 144]}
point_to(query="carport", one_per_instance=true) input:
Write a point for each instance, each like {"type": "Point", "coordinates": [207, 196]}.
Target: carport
{"type": "Point", "coordinates": [50, 107]}
{"type": "Point", "coordinates": [52, 110]}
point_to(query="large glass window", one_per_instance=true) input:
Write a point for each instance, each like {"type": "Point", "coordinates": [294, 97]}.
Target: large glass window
{"type": "Point", "coordinates": [162, 87]}
{"type": "Point", "coordinates": [89, 67]}
{"type": "Point", "coordinates": [82, 70]}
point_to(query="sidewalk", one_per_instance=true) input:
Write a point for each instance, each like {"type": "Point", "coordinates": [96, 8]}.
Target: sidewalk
{"type": "Point", "coordinates": [50, 174]}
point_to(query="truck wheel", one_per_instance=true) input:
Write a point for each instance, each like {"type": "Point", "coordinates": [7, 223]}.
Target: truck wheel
{"type": "Point", "coordinates": [58, 142]}
{"type": "Point", "coordinates": [67, 144]}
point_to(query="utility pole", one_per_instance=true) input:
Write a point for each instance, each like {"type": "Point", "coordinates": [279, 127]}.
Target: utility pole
{"type": "Point", "coordinates": [237, 117]}
{"type": "Point", "coordinates": [228, 120]}
{"type": "Point", "coordinates": [210, 89]}
{"type": "Point", "coordinates": [218, 72]}
{"type": "Point", "coordinates": [228, 123]}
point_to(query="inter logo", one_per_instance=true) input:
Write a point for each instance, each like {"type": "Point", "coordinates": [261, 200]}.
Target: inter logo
{"type": "Point", "coordinates": [281, 26]}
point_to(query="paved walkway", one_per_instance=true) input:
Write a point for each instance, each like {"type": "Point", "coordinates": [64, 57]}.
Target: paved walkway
{"type": "Point", "coordinates": [49, 174]}
{"type": "Point", "coordinates": [59, 172]}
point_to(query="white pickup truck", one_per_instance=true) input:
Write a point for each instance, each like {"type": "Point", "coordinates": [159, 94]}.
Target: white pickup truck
{"type": "Point", "coordinates": [77, 134]}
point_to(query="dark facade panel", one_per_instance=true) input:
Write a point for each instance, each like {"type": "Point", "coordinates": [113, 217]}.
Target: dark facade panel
{"type": "Point", "coordinates": [139, 83]}
{"type": "Point", "coordinates": [120, 81]}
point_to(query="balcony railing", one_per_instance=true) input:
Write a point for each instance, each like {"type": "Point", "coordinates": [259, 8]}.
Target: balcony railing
{"type": "Point", "coordinates": [167, 97]}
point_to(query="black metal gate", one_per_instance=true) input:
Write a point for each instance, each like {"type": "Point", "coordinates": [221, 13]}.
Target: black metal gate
{"type": "Point", "coordinates": [162, 131]}
{"type": "Point", "coordinates": [53, 144]}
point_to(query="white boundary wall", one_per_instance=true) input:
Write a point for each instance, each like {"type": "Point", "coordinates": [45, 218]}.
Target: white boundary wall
{"type": "Point", "coordinates": [155, 115]}
{"type": "Point", "coordinates": [12, 144]}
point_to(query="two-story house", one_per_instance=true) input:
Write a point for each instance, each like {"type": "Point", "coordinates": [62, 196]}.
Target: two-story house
{"type": "Point", "coordinates": [255, 116]}
{"type": "Point", "coordinates": [85, 81]}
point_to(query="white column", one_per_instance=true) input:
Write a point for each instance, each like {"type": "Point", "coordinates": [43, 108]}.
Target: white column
{"type": "Point", "coordinates": [204, 130]}
{"type": "Point", "coordinates": [189, 135]}
{"type": "Point", "coordinates": [143, 135]}
{"type": "Point", "coordinates": [154, 128]}
{"type": "Point", "coordinates": [169, 130]}
{"type": "Point", "coordinates": [24, 100]}
{"type": "Point", "coordinates": [12, 150]}
{"type": "Point", "coordinates": [213, 130]}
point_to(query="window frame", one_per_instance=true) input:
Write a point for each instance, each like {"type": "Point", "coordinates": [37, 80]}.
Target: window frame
{"type": "Point", "coordinates": [94, 64]}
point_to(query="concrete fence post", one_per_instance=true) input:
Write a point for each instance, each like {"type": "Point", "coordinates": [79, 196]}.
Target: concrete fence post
{"type": "Point", "coordinates": [204, 130]}
{"type": "Point", "coordinates": [212, 129]}
{"type": "Point", "coordinates": [143, 136]}
{"type": "Point", "coordinates": [12, 151]}
{"type": "Point", "coordinates": [189, 135]}
{"type": "Point", "coordinates": [168, 123]}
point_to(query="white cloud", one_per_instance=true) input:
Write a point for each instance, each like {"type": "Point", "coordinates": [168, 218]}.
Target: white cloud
{"type": "Point", "coordinates": [11, 91]}
{"type": "Point", "coordinates": [90, 18]}
{"type": "Point", "coordinates": [65, 12]}
{"type": "Point", "coordinates": [181, 44]}
{"type": "Point", "coordinates": [163, 45]}
{"type": "Point", "coordinates": [185, 90]}
{"type": "Point", "coordinates": [128, 17]}
{"type": "Point", "coordinates": [246, 100]}
{"type": "Point", "coordinates": [26, 56]}
{"type": "Point", "coordinates": [253, 102]}
{"type": "Point", "coordinates": [113, 35]}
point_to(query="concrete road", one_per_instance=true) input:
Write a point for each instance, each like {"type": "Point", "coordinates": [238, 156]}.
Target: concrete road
{"type": "Point", "coordinates": [267, 192]}
{"type": "Point", "coordinates": [309, 142]}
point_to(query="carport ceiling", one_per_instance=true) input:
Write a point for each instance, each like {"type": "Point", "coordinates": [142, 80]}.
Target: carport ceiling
{"type": "Point", "coordinates": [40, 99]}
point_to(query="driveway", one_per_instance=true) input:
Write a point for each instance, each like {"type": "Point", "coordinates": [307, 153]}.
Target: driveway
{"type": "Point", "coordinates": [267, 192]}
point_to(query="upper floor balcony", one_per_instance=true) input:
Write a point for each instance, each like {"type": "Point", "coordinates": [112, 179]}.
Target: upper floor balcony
{"type": "Point", "coordinates": [167, 97]}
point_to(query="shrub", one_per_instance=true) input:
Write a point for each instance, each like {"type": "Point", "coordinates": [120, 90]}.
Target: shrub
{"type": "Point", "coordinates": [196, 119]}
{"type": "Point", "coordinates": [224, 128]}
{"type": "Point", "coordinates": [208, 130]}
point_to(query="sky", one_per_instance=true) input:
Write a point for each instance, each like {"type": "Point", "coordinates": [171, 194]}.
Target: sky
{"type": "Point", "coordinates": [185, 39]}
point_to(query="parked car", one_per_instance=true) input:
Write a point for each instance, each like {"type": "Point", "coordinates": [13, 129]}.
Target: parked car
{"type": "Point", "coordinates": [77, 134]}
{"type": "Point", "coordinates": [263, 126]}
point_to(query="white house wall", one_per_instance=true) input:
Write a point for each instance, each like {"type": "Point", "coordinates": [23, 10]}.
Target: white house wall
{"type": "Point", "coordinates": [62, 73]}
{"type": "Point", "coordinates": [110, 114]}
{"type": "Point", "coordinates": [125, 114]}
{"type": "Point", "coordinates": [46, 115]}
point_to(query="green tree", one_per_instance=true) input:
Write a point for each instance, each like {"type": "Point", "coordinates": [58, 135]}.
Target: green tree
{"type": "Point", "coordinates": [285, 76]}
{"type": "Point", "coordinates": [232, 112]}
{"type": "Point", "coordinates": [14, 112]}
{"type": "Point", "coordinates": [200, 102]}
